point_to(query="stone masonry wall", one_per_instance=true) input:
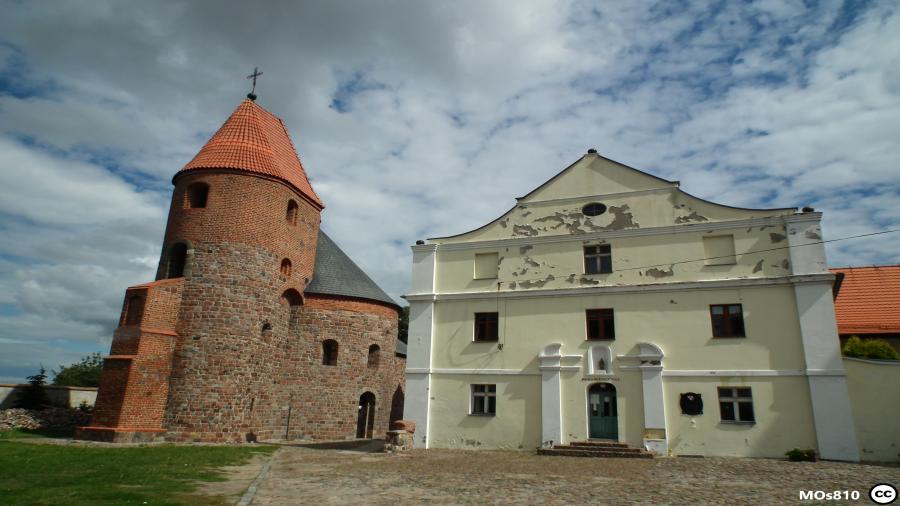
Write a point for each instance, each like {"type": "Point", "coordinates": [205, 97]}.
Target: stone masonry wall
{"type": "Point", "coordinates": [240, 358]}
{"type": "Point", "coordinates": [326, 398]}
{"type": "Point", "coordinates": [226, 368]}
{"type": "Point", "coordinates": [226, 372]}
{"type": "Point", "coordinates": [276, 386]}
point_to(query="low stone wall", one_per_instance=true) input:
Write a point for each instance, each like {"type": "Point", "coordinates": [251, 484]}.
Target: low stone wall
{"type": "Point", "coordinates": [55, 419]}
{"type": "Point", "coordinates": [65, 397]}
{"type": "Point", "coordinates": [874, 387]}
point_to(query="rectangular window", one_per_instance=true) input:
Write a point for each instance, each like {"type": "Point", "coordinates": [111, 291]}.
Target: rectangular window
{"type": "Point", "coordinates": [600, 324]}
{"type": "Point", "coordinates": [736, 404]}
{"type": "Point", "coordinates": [484, 400]}
{"type": "Point", "coordinates": [719, 250]}
{"type": "Point", "coordinates": [598, 259]}
{"type": "Point", "coordinates": [727, 320]}
{"type": "Point", "coordinates": [486, 265]}
{"type": "Point", "coordinates": [486, 326]}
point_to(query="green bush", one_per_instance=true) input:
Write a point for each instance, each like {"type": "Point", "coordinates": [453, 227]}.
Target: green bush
{"type": "Point", "coordinates": [798, 455]}
{"type": "Point", "coordinates": [878, 349]}
{"type": "Point", "coordinates": [83, 374]}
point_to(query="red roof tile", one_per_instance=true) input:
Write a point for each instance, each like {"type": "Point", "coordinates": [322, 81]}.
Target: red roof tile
{"type": "Point", "coordinates": [255, 140]}
{"type": "Point", "coordinates": [868, 301]}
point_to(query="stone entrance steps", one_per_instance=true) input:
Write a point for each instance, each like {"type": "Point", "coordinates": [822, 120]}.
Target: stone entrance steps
{"type": "Point", "coordinates": [597, 448]}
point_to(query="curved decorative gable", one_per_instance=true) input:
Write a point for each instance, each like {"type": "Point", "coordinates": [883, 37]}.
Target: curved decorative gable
{"type": "Point", "coordinates": [631, 199]}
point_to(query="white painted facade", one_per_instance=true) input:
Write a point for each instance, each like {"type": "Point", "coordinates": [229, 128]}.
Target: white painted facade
{"type": "Point", "coordinates": [673, 256]}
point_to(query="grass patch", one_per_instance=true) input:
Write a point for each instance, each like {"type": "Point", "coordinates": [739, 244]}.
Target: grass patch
{"type": "Point", "coordinates": [45, 474]}
{"type": "Point", "coordinates": [32, 433]}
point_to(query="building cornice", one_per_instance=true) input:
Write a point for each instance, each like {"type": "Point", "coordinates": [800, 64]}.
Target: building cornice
{"type": "Point", "coordinates": [798, 218]}
{"type": "Point", "coordinates": [716, 284]}
{"type": "Point", "coordinates": [491, 372]}
{"type": "Point", "coordinates": [719, 373]}
{"type": "Point", "coordinates": [684, 373]}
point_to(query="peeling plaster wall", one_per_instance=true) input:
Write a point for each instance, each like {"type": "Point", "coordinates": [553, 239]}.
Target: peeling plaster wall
{"type": "Point", "coordinates": [678, 322]}
{"type": "Point", "coordinates": [683, 328]}
{"type": "Point", "coordinates": [636, 260]}
{"type": "Point", "coordinates": [633, 200]}
{"type": "Point", "coordinates": [652, 228]}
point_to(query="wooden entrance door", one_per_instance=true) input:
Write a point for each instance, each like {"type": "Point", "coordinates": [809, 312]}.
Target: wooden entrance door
{"type": "Point", "coordinates": [603, 412]}
{"type": "Point", "coordinates": [365, 420]}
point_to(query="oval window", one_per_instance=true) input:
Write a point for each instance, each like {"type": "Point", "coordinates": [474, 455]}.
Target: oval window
{"type": "Point", "coordinates": [593, 209]}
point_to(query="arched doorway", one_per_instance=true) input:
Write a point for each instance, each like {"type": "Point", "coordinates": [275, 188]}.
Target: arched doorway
{"type": "Point", "coordinates": [397, 404]}
{"type": "Point", "coordinates": [365, 420]}
{"type": "Point", "coordinates": [603, 412]}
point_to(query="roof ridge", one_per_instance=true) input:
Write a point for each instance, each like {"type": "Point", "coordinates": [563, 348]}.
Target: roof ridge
{"type": "Point", "coordinates": [296, 153]}
{"type": "Point", "coordinates": [249, 140]}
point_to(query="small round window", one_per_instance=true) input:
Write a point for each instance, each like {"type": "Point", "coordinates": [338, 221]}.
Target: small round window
{"type": "Point", "coordinates": [593, 209]}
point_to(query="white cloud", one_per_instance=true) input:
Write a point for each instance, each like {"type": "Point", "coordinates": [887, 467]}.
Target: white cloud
{"type": "Point", "coordinates": [56, 191]}
{"type": "Point", "coordinates": [761, 104]}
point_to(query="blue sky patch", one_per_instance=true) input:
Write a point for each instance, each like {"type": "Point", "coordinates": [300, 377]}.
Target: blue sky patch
{"type": "Point", "coordinates": [16, 77]}
{"type": "Point", "coordinates": [357, 83]}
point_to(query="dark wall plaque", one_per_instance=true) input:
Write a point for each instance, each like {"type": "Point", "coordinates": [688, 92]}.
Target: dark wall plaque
{"type": "Point", "coordinates": [691, 403]}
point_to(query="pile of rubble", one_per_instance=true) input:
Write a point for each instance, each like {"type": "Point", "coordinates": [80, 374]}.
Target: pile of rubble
{"type": "Point", "coordinates": [57, 419]}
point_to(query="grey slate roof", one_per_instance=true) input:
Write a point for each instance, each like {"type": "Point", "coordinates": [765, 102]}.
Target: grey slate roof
{"type": "Point", "coordinates": [336, 274]}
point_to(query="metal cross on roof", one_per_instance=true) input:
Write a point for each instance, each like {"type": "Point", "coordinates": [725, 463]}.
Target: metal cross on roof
{"type": "Point", "coordinates": [256, 73]}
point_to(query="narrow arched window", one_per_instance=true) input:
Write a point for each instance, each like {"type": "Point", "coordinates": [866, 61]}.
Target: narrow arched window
{"type": "Point", "coordinates": [292, 210]}
{"type": "Point", "coordinates": [293, 300]}
{"type": "Point", "coordinates": [286, 268]}
{"type": "Point", "coordinates": [134, 310]}
{"type": "Point", "coordinates": [177, 260]}
{"type": "Point", "coordinates": [374, 353]}
{"type": "Point", "coordinates": [329, 352]}
{"type": "Point", "coordinates": [197, 194]}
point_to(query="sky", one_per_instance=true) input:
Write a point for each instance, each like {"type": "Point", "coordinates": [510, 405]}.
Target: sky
{"type": "Point", "coordinates": [420, 119]}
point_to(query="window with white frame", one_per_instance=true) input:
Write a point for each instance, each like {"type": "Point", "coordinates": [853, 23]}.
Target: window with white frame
{"type": "Point", "coordinates": [736, 404]}
{"type": "Point", "coordinates": [484, 400]}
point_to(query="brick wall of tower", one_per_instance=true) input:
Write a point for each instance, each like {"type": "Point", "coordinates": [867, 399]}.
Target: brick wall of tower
{"type": "Point", "coordinates": [279, 387]}
{"type": "Point", "coordinates": [226, 377]}
{"type": "Point", "coordinates": [134, 383]}
{"type": "Point", "coordinates": [326, 397]}
{"type": "Point", "coordinates": [219, 353]}
{"type": "Point", "coordinates": [248, 210]}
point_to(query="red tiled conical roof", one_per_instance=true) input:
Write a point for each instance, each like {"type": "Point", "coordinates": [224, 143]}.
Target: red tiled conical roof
{"type": "Point", "coordinates": [255, 140]}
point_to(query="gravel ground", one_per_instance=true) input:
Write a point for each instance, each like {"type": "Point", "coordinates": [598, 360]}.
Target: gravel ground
{"type": "Point", "coordinates": [316, 476]}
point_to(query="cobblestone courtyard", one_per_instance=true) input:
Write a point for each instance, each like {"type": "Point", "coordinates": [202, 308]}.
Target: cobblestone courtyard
{"type": "Point", "coordinates": [315, 476]}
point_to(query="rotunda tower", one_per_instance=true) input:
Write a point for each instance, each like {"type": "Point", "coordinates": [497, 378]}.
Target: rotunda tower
{"type": "Point", "coordinates": [242, 232]}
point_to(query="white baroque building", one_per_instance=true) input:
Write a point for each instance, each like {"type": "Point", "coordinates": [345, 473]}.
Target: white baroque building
{"type": "Point", "coordinates": [608, 303]}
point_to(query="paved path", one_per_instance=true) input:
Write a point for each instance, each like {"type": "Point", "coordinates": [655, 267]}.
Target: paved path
{"type": "Point", "coordinates": [301, 475]}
